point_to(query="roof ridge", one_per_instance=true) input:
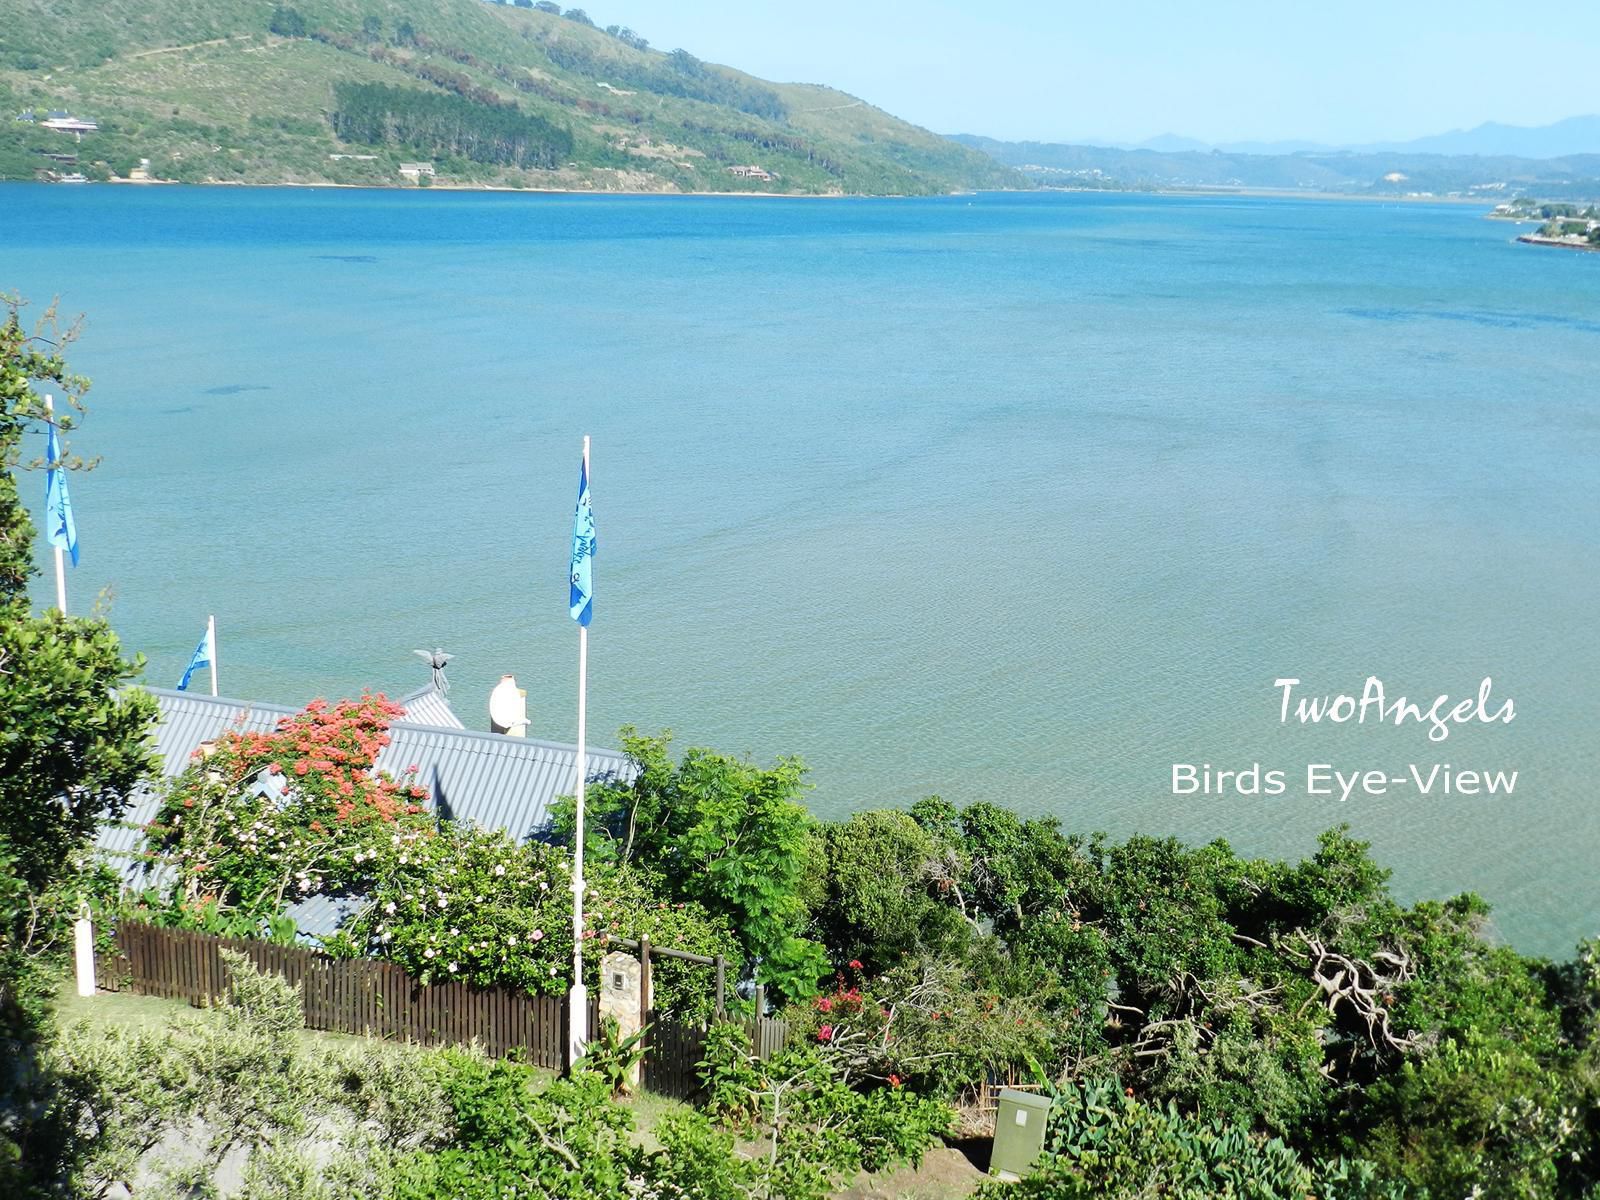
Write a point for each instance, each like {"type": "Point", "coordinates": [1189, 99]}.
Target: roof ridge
{"type": "Point", "coordinates": [498, 739]}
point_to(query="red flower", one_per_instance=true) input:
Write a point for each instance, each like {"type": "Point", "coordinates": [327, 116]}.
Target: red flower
{"type": "Point", "coordinates": [894, 1081]}
{"type": "Point", "coordinates": [855, 964]}
{"type": "Point", "coordinates": [824, 1004]}
{"type": "Point", "coordinates": [825, 1034]}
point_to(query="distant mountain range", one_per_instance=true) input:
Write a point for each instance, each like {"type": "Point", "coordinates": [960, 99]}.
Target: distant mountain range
{"type": "Point", "coordinates": [1409, 169]}
{"type": "Point", "coordinates": [1561, 139]}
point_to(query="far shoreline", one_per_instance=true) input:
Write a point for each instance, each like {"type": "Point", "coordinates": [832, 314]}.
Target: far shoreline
{"type": "Point", "coordinates": [1194, 192]}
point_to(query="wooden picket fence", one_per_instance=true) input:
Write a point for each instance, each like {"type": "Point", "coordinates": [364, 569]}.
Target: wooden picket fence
{"type": "Point", "coordinates": [675, 1049]}
{"type": "Point", "coordinates": [368, 997]}
{"type": "Point", "coordinates": [346, 995]}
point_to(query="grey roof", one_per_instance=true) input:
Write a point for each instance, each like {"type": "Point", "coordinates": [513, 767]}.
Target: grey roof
{"type": "Point", "coordinates": [491, 780]}
{"type": "Point", "coordinates": [428, 706]}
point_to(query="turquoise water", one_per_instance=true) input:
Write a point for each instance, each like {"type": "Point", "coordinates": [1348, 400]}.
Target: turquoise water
{"type": "Point", "coordinates": [1019, 498]}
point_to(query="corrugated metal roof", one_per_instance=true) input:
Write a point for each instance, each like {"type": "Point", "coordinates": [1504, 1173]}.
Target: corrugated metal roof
{"type": "Point", "coordinates": [491, 780]}
{"type": "Point", "coordinates": [187, 721]}
{"type": "Point", "coordinates": [428, 706]}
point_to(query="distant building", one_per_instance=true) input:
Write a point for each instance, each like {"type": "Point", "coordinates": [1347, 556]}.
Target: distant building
{"type": "Point", "coordinates": [417, 170]}
{"type": "Point", "coordinates": [65, 122]}
{"type": "Point", "coordinates": [750, 172]}
{"type": "Point", "coordinates": [27, 116]}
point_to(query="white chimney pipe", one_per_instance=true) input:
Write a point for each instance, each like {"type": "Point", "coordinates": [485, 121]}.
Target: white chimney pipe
{"type": "Point", "coordinates": [508, 708]}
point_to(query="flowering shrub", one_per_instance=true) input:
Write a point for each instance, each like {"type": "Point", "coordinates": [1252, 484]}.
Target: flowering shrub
{"type": "Point", "coordinates": [260, 819]}
{"type": "Point", "coordinates": [469, 904]}
{"type": "Point", "coordinates": [474, 905]}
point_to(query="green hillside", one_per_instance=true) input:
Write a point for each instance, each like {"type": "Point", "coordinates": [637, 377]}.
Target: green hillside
{"type": "Point", "coordinates": [489, 94]}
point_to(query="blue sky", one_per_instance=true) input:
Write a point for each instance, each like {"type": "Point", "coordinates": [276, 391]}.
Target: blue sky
{"type": "Point", "coordinates": [1227, 70]}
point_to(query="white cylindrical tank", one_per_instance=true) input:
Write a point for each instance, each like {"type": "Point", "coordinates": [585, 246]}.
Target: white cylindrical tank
{"type": "Point", "coordinates": [508, 708]}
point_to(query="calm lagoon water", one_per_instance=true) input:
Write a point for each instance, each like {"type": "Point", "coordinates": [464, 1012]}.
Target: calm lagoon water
{"type": "Point", "coordinates": [1020, 498]}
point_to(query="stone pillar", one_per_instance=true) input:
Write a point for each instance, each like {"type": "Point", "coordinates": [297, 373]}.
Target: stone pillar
{"type": "Point", "coordinates": [622, 995]}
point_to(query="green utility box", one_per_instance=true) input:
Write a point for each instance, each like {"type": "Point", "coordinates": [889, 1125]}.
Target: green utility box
{"type": "Point", "coordinates": [1018, 1133]}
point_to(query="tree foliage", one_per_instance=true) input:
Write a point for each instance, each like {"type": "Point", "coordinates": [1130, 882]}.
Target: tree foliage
{"type": "Point", "coordinates": [375, 114]}
{"type": "Point", "coordinates": [723, 833]}
{"type": "Point", "coordinates": [72, 733]}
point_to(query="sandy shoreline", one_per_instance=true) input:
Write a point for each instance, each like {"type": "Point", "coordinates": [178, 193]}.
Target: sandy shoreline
{"type": "Point", "coordinates": [1533, 239]}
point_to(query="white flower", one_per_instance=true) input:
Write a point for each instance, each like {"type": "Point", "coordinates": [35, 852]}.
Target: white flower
{"type": "Point", "coordinates": [428, 953]}
{"type": "Point", "coordinates": [452, 967]}
{"type": "Point", "coordinates": [543, 886]}
{"type": "Point", "coordinates": [454, 932]}
{"type": "Point", "coordinates": [538, 935]}
{"type": "Point", "coordinates": [389, 908]}
{"type": "Point", "coordinates": [512, 940]}
{"type": "Point", "coordinates": [499, 869]}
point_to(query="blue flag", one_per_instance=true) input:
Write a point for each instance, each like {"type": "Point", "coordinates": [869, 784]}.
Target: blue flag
{"type": "Point", "coordinates": [581, 600]}
{"type": "Point", "coordinates": [59, 525]}
{"type": "Point", "coordinates": [202, 658]}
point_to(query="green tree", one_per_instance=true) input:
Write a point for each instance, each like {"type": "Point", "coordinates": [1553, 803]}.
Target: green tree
{"type": "Point", "coordinates": [882, 870]}
{"type": "Point", "coordinates": [287, 22]}
{"type": "Point", "coordinates": [725, 833]}
{"type": "Point", "coordinates": [72, 734]}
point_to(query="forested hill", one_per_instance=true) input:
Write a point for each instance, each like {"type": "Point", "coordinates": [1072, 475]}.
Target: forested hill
{"type": "Point", "coordinates": [344, 91]}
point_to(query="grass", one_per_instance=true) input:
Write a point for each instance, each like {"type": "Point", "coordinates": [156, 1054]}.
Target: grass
{"type": "Point", "coordinates": [205, 93]}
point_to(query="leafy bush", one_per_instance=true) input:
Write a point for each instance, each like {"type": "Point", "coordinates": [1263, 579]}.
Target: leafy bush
{"type": "Point", "coordinates": [926, 1025]}
{"type": "Point", "coordinates": [1102, 1143]}
{"type": "Point", "coordinates": [147, 1108]}
{"type": "Point", "coordinates": [817, 1129]}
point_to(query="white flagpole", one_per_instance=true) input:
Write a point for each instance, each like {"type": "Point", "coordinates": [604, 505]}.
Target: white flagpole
{"type": "Point", "coordinates": [61, 566]}
{"type": "Point", "coordinates": [211, 637]}
{"type": "Point", "coordinates": [578, 998]}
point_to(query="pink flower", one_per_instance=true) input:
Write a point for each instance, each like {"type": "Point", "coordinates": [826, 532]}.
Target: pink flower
{"type": "Point", "coordinates": [825, 1034]}
{"type": "Point", "coordinates": [855, 964]}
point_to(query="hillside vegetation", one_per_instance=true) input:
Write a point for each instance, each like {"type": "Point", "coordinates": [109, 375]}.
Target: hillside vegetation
{"type": "Point", "coordinates": [343, 91]}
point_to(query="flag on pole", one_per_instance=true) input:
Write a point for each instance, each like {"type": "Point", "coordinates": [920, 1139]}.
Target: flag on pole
{"type": "Point", "coordinates": [203, 656]}
{"type": "Point", "coordinates": [581, 600]}
{"type": "Point", "coordinates": [61, 529]}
